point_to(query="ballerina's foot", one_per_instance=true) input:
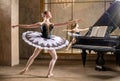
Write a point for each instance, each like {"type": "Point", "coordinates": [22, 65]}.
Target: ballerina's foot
{"type": "Point", "coordinates": [66, 50]}
{"type": "Point", "coordinates": [49, 75]}
{"type": "Point", "coordinates": [22, 72]}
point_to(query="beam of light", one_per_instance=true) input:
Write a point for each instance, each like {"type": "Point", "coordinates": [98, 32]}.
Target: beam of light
{"type": "Point", "coordinates": [117, 0]}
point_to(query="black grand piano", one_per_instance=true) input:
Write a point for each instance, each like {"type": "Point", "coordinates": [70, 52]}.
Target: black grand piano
{"type": "Point", "coordinates": [102, 45]}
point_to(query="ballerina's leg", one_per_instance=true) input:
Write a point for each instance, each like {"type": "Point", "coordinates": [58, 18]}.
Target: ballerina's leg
{"type": "Point", "coordinates": [69, 45]}
{"type": "Point", "coordinates": [30, 60]}
{"type": "Point", "coordinates": [52, 62]}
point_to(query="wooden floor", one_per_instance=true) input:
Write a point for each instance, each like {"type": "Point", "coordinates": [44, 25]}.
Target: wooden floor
{"type": "Point", "coordinates": [65, 70]}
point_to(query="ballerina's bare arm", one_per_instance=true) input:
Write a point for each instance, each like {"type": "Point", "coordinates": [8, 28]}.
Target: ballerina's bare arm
{"type": "Point", "coordinates": [68, 30]}
{"type": "Point", "coordinates": [65, 23]}
{"type": "Point", "coordinates": [84, 29]}
{"type": "Point", "coordinates": [76, 30]}
{"type": "Point", "coordinates": [28, 26]}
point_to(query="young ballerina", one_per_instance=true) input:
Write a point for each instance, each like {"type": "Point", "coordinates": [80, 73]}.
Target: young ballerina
{"type": "Point", "coordinates": [74, 33]}
{"type": "Point", "coordinates": [44, 40]}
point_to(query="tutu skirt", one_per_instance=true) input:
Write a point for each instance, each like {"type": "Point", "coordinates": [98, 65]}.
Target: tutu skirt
{"type": "Point", "coordinates": [73, 34]}
{"type": "Point", "coordinates": [35, 39]}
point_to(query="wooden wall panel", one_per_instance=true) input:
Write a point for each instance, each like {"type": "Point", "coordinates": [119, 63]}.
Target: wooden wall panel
{"type": "Point", "coordinates": [5, 38]}
{"type": "Point", "coordinates": [30, 12]}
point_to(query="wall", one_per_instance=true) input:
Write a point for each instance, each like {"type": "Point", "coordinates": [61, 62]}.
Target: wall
{"type": "Point", "coordinates": [30, 12]}
{"type": "Point", "coordinates": [8, 37]}
{"type": "Point", "coordinates": [5, 38]}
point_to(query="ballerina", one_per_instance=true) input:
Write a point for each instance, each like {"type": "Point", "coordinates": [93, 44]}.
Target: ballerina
{"type": "Point", "coordinates": [74, 33]}
{"type": "Point", "coordinates": [44, 40]}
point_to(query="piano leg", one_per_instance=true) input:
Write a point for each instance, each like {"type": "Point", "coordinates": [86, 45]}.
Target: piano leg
{"type": "Point", "coordinates": [84, 57]}
{"type": "Point", "coordinates": [100, 61]}
{"type": "Point", "coordinates": [117, 54]}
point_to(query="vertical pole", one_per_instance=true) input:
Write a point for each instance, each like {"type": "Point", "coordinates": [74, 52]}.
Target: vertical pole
{"type": "Point", "coordinates": [14, 32]}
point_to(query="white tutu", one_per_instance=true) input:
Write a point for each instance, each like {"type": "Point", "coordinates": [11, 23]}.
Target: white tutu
{"type": "Point", "coordinates": [35, 39]}
{"type": "Point", "coordinates": [73, 34]}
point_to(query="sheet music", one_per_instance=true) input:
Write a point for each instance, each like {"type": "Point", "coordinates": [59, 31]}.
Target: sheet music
{"type": "Point", "coordinates": [98, 31]}
{"type": "Point", "coordinates": [94, 31]}
{"type": "Point", "coordinates": [102, 31]}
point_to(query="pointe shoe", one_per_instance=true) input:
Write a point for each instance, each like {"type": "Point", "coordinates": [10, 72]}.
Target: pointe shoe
{"type": "Point", "coordinates": [49, 75]}
{"type": "Point", "coordinates": [22, 72]}
{"type": "Point", "coordinates": [66, 50]}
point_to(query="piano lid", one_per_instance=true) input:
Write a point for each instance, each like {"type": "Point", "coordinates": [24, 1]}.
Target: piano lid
{"type": "Point", "coordinates": [111, 17]}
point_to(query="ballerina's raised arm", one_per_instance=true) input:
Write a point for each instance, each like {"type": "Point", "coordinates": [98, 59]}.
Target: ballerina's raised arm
{"type": "Point", "coordinates": [28, 25]}
{"type": "Point", "coordinates": [66, 23]}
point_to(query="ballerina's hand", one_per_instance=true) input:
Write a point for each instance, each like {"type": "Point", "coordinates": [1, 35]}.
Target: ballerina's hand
{"type": "Point", "coordinates": [87, 28]}
{"type": "Point", "coordinates": [14, 26]}
{"type": "Point", "coordinates": [77, 20]}
{"type": "Point", "coordinates": [67, 30]}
